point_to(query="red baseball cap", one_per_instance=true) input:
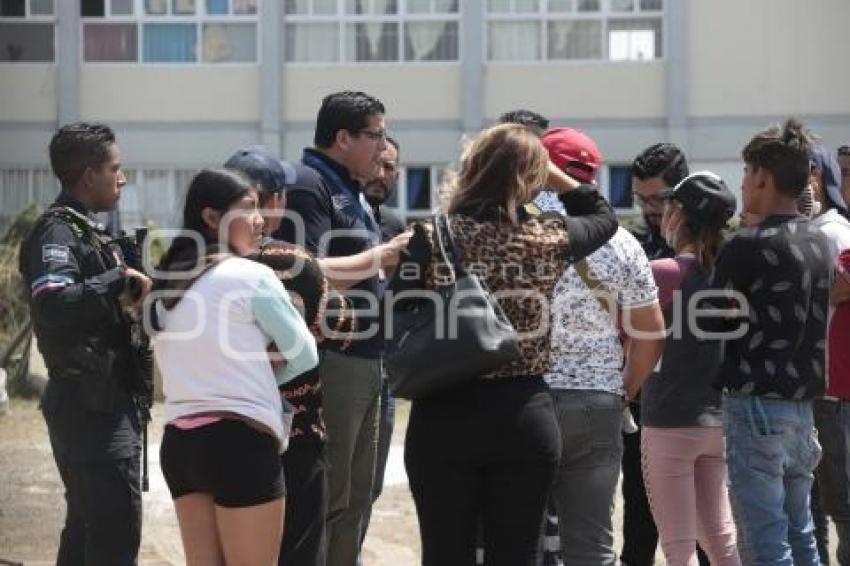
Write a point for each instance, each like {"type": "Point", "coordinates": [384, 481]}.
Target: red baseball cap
{"type": "Point", "coordinates": [573, 152]}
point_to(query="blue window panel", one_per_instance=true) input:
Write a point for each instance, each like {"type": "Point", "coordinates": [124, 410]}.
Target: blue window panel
{"type": "Point", "coordinates": [418, 188]}
{"type": "Point", "coordinates": [170, 43]}
{"type": "Point", "coordinates": [620, 186]}
{"type": "Point", "coordinates": [217, 7]}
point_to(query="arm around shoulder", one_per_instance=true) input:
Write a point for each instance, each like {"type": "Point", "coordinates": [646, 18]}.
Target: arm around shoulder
{"type": "Point", "coordinates": [280, 320]}
{"type": "Point", "coordinates": [590, 222]}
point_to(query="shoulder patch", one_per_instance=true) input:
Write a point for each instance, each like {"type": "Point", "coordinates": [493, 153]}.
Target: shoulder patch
{"type": "Point", "coordinates": [341, 202]}
{"type": "Point", "coordinates": [55, 253]}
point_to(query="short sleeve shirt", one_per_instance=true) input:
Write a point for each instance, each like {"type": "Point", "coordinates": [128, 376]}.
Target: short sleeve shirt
{"type": "Point", "coordinates": [586, 350]}
{"type": "Point", "coordinates": [781, 270]}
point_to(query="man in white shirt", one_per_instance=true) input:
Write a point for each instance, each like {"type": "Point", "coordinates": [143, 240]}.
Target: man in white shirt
{"type": "Point", "coordinates": [591, 371]}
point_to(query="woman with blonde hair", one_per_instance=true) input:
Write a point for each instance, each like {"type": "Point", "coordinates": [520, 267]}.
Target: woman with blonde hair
{"type": "Point", "coordinates": [487, 450]}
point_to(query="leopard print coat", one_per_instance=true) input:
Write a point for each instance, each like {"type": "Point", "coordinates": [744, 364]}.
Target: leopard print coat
{"type": "Point", "coordinates": [521, 265]}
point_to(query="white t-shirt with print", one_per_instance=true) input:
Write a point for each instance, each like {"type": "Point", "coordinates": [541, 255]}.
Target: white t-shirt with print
{"type": "Point", "coordinates": [836, 228]}
{"type": "Point", "coordinates": [586, 352]}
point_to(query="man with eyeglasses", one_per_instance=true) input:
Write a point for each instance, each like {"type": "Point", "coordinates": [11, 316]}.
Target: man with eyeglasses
{"type": "Point", "coordinates": [654, 170]}
{"type": "Point", "coordinates": [844, 163]}
{"type": "Point", "coordinates": [329, 216]}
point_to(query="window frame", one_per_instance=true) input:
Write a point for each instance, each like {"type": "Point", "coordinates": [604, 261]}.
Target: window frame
{"type": "Point", "coordinates": [543, 17]}
{"type": "Point", "coordinates": [30, 190]}
{"type": "Point", "coordinates": [33, 19]}
{"type": "Point", "coordinates": [139, 18]}
{"type": "Point", "coordinates": [138, 177]}
{"type": "Point", "coordinates": [407, 214]}
{"type": "Point", "coordinates": [341, 18]}
{"type": "Point", "coordinates": [605, 182]}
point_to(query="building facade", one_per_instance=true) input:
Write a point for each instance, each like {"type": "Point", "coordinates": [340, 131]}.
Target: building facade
{"type": "Point", "coordinates": [185, 82]}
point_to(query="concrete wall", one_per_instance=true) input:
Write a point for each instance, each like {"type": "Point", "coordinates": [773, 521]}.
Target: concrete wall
{"type": "Point", "coordinates": [769, 57]}
{"type": "Point", "coordinates": [27, 92]}
{"type": "Point", "coordinates": [179, 93]}
{"type": "Point", "coordinates": [410, 92]}
{"type": "Point", "coordinates": [580, 91]}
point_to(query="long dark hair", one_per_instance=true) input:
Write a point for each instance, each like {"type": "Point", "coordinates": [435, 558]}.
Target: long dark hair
{"type": "Point", "coordinates": [707, 237]}
{"type": "Point", "coordinates": [217, 189]}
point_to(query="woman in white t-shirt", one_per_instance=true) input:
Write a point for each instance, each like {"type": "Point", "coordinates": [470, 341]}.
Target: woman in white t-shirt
{"type": "Point", "coordinates": [215, 317]}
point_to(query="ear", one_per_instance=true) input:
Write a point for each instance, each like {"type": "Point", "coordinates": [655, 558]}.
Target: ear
{"type": "Point", "coordinates": [88, 176]}
{"type": "Point", "coordinates": [762, 177]}
{"type": "Point", "coordinates": [211, 217]}
{"type": "Point", "coordinates": [343, 139]}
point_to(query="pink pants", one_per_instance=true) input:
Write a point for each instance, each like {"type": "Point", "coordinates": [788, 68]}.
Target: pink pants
{"type": "Point", "coordinates": [685, 475]}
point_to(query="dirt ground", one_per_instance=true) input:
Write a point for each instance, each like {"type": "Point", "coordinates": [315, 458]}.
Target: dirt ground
{"type": "Point", "coordinates": [32, 506]}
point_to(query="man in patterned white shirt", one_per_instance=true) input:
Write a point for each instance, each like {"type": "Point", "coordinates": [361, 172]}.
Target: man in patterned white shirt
{"type": "Point", "coordinates": [591, 371]}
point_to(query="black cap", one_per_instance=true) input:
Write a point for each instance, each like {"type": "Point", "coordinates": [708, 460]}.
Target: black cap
{"type": "Point", "coordinates": [263, 168]}
{"type": "Point", "coordinates": [704, 196]}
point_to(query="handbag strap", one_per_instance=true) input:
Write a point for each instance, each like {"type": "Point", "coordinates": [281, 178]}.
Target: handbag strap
{"type": "Point", "coordinates": [596, 286]}
{"type": "Point", "coordinates": [446, 243]}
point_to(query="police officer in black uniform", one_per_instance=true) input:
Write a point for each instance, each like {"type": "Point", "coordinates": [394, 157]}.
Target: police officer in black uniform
{"type": "Point", "coordinates": [80, 296]}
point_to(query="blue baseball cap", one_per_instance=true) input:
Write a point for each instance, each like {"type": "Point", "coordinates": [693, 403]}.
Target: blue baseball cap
{"type": "Point", "coordinates": [827, 165]}
{"type": "Point", "coordinates": [263, 168]}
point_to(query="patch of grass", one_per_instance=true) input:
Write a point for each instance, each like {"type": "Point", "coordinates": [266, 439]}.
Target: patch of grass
{"type": "Point", "coordinates": [14, 311]}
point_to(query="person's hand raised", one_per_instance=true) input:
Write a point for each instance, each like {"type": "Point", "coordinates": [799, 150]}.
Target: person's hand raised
{"type": "Point", "coordinates": [390, 251]}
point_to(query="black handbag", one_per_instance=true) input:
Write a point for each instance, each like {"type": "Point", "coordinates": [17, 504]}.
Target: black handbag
{"type": "Point", "coordinates": [452, 336]}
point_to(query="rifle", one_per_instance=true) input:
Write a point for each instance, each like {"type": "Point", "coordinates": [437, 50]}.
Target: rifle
{"type": "Point", "coordinates": [132, 247]}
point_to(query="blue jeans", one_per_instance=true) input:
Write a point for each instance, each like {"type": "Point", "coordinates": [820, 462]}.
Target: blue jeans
{"type": "Point", "coordinates": [771, 452]}
{"type": "Point", "coordinates": [833, 421]}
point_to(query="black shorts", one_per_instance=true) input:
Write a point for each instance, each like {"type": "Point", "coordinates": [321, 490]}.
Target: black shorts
{"type": "Point", "coordinates": [235, 463]}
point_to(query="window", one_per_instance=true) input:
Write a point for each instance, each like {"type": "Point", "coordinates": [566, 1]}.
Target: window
{"type": "Point", "coordinates": [568, 30]}
{"type": "Point", "coordinates": [634, 39]}
{"type": "Point", "coordinates": [330, 31]}
{"type": "Point", "coordinates": [26, 31]}
{"type": "Point", "coordinates": [151, 196]}
{"type": "Point", "coordinates": [154, 197]}
{"type": "Point", "coordinates": [21, 187]}
{"type": "Point", "coordinates": [170, 31]}
{"type": "Point", "coordinates": [111, 42]}
{"type": "Point", "coordinates": [418, 191]}
{"type": "Point", "coordinates": [620, 187]}
{"type": "Point", "coordinates": [418, 188]}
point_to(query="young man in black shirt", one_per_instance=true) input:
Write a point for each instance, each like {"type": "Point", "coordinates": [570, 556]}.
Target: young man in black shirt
{"type": "Point", "coordinates": [775, 278]}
